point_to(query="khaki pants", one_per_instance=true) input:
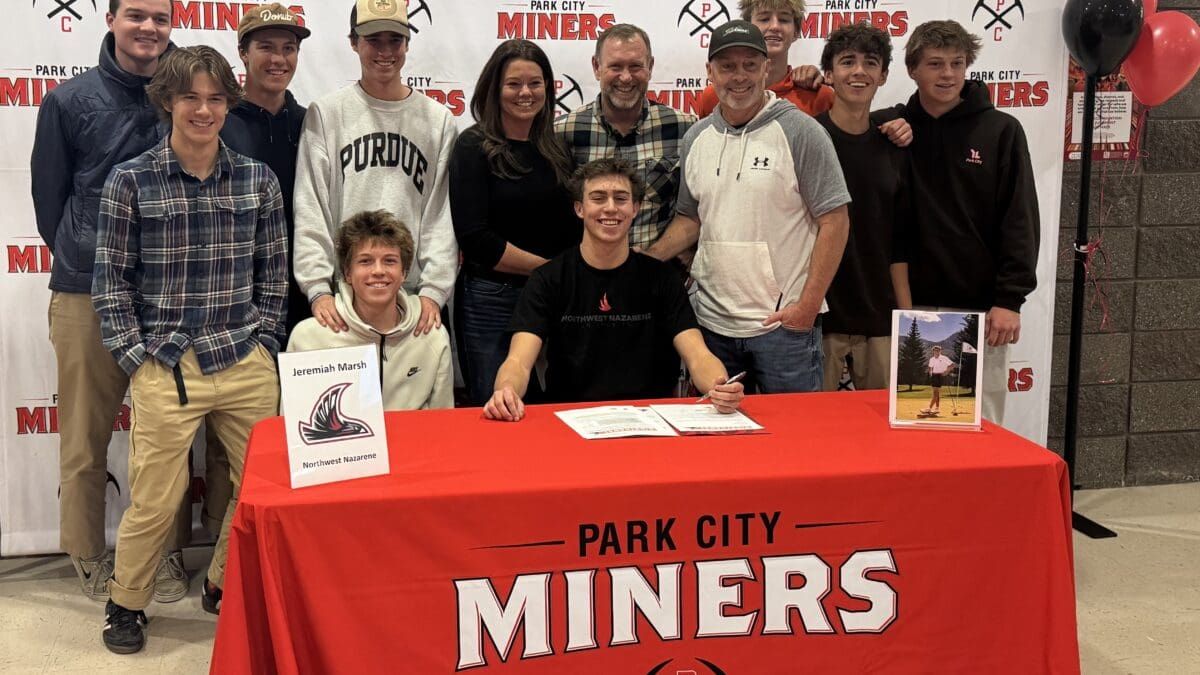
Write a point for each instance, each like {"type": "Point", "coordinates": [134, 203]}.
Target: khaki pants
{"type": "Point", "coordinates": [91, 388]}
{"type": "Point", "coordinates": [871, 357]}
{"type": "Point", "coordinates": [234, 400]}
{"type": "Point", "coordinates": [218, 488]}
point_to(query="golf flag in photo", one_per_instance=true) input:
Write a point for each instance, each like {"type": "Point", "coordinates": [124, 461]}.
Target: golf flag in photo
{"type": "Point", "coordinates": [968, 349]}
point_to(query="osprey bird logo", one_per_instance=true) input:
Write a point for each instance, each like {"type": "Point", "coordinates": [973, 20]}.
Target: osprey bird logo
{"type": "Point", "coordinates": [326, 423]}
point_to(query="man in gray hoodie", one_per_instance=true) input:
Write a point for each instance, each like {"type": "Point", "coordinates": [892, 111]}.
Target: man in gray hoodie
{"type": "Point", "coordinates": [764, 197]}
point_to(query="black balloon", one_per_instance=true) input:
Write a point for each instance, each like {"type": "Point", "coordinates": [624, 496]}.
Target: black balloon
{"type": "Point", "coordinates": [1101, 33]}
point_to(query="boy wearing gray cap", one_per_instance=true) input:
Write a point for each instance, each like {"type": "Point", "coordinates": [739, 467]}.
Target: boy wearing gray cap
{"type": "Point", "coordinates": [764, 197]}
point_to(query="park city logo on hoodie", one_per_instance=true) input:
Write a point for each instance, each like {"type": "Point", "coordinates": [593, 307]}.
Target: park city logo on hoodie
{"type": "Point", "coordinates": [973, 157]}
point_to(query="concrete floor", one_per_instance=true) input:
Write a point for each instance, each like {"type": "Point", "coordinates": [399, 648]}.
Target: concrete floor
{"type": "Point", "coordinates": [1138, 596]}
{"type": "Point", "coordinates": [1138, 600]}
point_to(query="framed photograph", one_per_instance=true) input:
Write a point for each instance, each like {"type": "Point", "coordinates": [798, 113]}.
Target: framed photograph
{"type": "Point", "coordinates": [937, 364]}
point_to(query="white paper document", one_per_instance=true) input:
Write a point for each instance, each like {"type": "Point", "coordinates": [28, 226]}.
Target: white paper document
{"type": "Point", "coordinates": [703, 418]}
{"type": "Point", "coordinates": [615, 421]}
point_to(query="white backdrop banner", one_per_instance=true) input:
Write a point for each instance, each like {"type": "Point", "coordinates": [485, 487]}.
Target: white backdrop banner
{"type": "Point", "coordinates": [44, 42]}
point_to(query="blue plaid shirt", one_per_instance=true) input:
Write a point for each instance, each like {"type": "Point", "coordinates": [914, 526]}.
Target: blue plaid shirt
{"type": "Point", "coordinates": [184, 263]}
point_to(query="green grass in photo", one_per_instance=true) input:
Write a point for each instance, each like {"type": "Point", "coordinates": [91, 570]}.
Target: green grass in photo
{"type": "Point", "coordinates": [923, 391]}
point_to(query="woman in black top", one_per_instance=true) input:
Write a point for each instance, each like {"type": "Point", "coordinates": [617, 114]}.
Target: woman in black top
{"type": "Point", "coordinates": [508, 197]}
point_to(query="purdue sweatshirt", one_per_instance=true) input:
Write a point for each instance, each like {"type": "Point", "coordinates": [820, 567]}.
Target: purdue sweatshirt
{"type": "Point", "coordinates": [359, 153]}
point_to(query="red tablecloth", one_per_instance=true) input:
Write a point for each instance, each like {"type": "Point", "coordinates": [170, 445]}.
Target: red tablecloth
{"type": "Point", "coordinates": [865, 550]}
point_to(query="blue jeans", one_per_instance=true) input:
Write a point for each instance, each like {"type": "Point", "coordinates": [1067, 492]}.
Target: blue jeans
{"type": "Point", "coordinates": [779, 362]}
{"type": "Point", "coordinates": [482, 310]}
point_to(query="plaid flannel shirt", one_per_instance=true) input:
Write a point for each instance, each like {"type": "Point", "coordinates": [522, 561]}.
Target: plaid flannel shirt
{"type": "Point", "coordinates": [184, 263]}
{"type": "Point", "coordinates": [652, 146]}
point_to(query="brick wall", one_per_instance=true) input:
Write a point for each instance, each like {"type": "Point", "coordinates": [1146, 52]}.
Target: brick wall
{"type": "Point", "coordinates": [1139, 409]}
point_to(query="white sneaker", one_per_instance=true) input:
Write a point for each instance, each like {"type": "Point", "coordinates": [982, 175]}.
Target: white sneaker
{"type": "Point", "coordinates": [94, 574]}
{"type": "Point", "coordinates": [171, 581]}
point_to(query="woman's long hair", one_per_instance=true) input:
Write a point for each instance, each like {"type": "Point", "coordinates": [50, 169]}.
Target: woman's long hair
{"type": "Point", "coordinates": [485, 107]}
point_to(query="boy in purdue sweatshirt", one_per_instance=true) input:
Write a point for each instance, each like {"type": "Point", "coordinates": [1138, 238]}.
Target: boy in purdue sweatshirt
{"type": "Point", "coordinates": [973, 242]}
{"type": "Point", "coordinates": [376, 144]}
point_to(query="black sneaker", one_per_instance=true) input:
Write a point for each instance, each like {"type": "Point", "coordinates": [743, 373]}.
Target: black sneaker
{"type": "Point", "coordinates": [211, 600]}
{"type": "Point", "coordinates": [124, 629]}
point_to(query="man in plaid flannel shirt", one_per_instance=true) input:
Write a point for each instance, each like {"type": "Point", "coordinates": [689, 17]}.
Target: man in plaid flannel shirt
{"type": "Point", "coordinates": [623, 123]}
{"type": "Point", "coordinates": [191, 289]}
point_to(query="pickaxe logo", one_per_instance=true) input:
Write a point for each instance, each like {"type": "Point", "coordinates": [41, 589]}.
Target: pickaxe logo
{"type": "Point", "coordinates": [65, 6]}
{"type": "Point", "coordinates": [568, 91]}
{"type": "Point", "coordinates": [421, 8]}
{"type": "Point", "coordinates": [710, 24]}
{"type": "Point", "coordinates": [997, 16]}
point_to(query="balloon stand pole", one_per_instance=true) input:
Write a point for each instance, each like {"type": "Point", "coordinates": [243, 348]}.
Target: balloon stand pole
{"type": "Point", "coordinates": [1083, 524]}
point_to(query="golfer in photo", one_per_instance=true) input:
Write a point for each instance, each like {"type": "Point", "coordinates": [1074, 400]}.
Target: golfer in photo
{"type": "Point", "coordinates": [939, 367]}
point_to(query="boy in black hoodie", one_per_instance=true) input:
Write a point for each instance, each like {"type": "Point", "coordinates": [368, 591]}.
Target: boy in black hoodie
{"type": "Point", "coordinates": [973, 242]}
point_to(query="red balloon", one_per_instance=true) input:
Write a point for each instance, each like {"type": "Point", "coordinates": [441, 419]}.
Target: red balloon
{"type": "Point", "coordinates": [1149, 7]}
{"type": "Point", "coordinates": [1165, 58]}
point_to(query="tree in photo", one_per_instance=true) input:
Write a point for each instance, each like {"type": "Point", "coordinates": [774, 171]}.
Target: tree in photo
{"type": "Point", "coordinates": [967, 360]}
{"type": "Point", "coordinates": [911, 359]}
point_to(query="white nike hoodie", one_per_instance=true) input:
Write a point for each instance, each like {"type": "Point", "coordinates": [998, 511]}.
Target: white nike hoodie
{"type": "Point", "coordinates": [415, 370]}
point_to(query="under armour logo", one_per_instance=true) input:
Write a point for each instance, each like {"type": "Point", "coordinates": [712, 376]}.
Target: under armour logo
{"type": "Point", "coordinates": [762, 162]}
{"type": "Point", "coordinates": [721, 15]}
{"type": "Point", "coordinates": [997, 16]}
{"type": "Point", "coordinates": [414, 370]}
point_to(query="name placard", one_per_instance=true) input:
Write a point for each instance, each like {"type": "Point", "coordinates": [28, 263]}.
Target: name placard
{"type": "Point", "coordinates": [333, 408]}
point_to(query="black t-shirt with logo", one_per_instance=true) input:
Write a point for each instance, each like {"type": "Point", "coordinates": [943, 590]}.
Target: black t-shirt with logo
{"type": "Point", "coordinates": [609, 333]}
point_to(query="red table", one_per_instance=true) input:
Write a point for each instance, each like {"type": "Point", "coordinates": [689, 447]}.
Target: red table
{"type": "Point", "coordinates": [830, 544]}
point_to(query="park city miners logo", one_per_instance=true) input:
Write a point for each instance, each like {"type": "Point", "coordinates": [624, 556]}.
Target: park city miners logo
{"type": "Point", "coordinates": [327, 423]}
{"type": "Point", "coordinates": [998, 16]}
{"type": "Point", "coordinates": [64, 12]}
{"type": "Point", "coordinates": [65, 8]}
{"type": "Point", "coordinates": [29, 258]}
{"type": "Point", "coordinates": [568, 97]}
{"type": "Point", "coordinates": [703, 17]}
{"type": "Point", "coordinates": [421, 7]}
{"type": "Point", "coordinates": [707, 666]}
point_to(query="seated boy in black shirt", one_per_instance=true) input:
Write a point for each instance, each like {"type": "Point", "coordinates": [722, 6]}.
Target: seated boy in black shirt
{"type": "Point", "coordinates": [617, 321]}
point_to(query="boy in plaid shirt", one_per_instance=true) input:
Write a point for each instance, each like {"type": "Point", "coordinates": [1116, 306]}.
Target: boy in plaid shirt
{"type": "Point", "coordinates": [191, 289]}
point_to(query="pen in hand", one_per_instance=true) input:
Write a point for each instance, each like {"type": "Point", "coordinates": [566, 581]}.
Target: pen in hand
{"type": "Point", "coordinates": [735, 378]}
